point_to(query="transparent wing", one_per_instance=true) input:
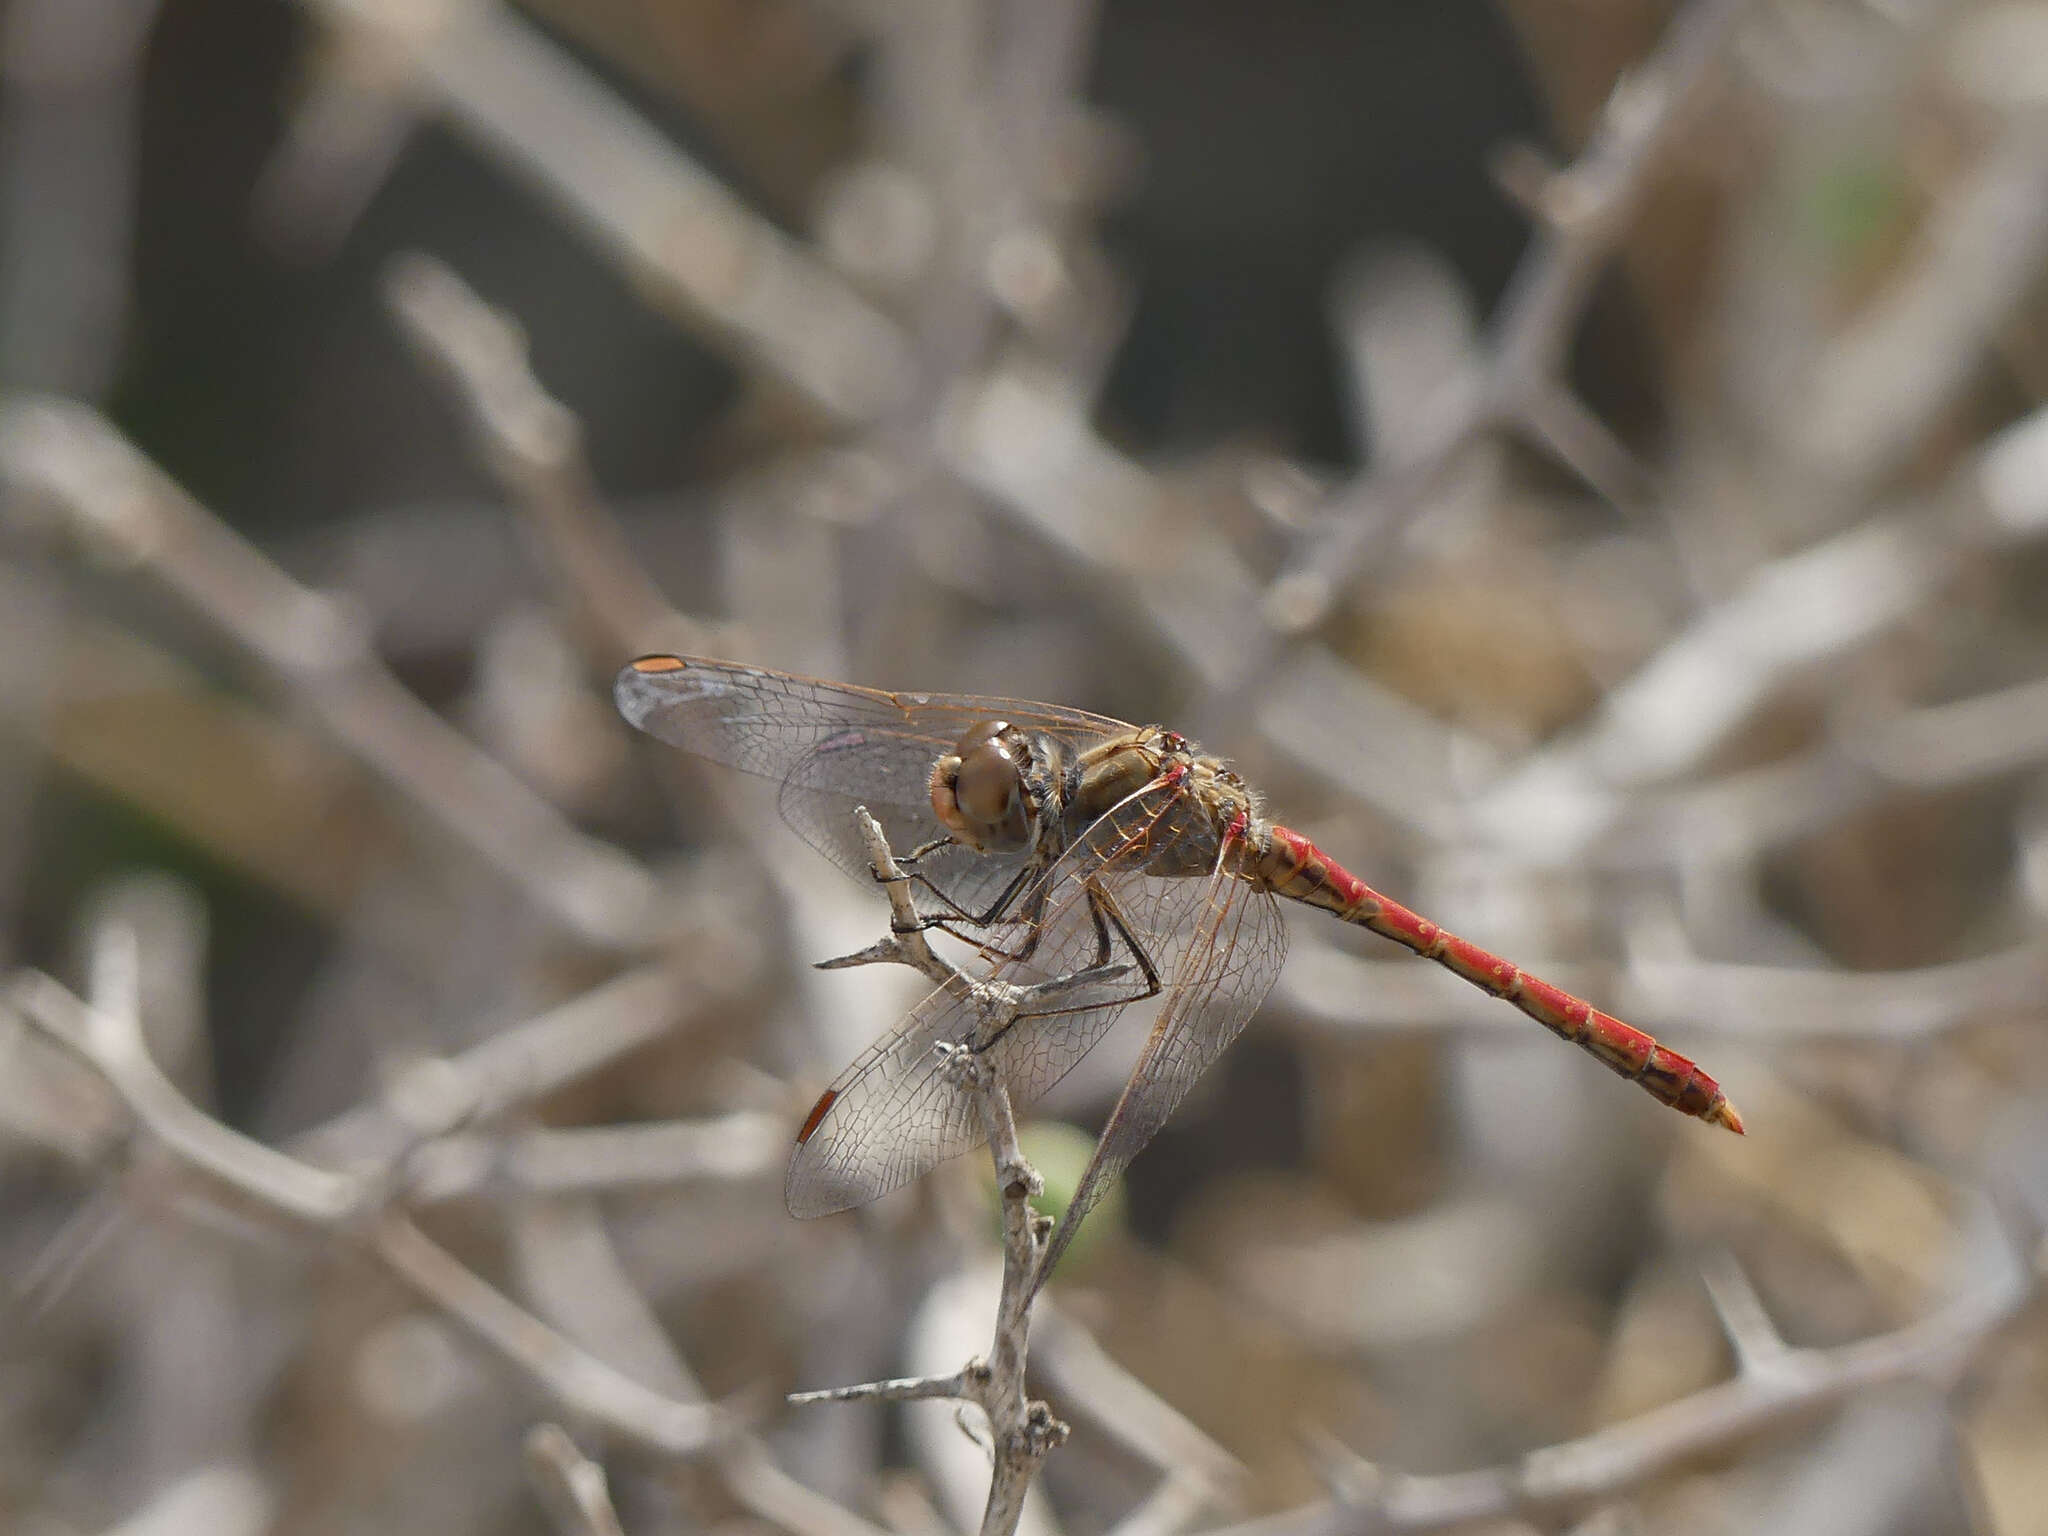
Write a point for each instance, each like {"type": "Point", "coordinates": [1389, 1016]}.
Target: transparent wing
{"type": "Point", "coordinates": [1226, 968]}
{"type": "Point", "coordinates": [896, 1112]}
{"type": "Point", "coordinates": [832, 746]}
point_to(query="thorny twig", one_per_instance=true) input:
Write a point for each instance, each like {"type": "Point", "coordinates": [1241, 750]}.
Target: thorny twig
{"type": "Point", "coordinates": [1024, 1431]}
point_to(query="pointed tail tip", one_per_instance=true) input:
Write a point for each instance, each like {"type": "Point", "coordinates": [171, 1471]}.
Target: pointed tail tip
{"type": "Point", "coordinates": [1722, 1112]}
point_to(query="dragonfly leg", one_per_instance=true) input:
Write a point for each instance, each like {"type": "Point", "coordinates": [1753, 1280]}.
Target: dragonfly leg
{"type": "Point", "coordinates": [1103, 909]}
{"type": "Point", "coordinates": [1034, 892]}
{"type": "Point", "coordinates": [957, 914]}
{"type": "Point", "coordinates": [1108, 918]}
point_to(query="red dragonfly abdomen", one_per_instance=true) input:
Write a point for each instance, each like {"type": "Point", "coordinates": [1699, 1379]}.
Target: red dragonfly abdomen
{"type": "Point", "coordinates": [1294, 867]}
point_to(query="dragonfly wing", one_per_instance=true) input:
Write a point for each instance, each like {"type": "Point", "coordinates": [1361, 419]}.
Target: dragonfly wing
{"type": "Point", "coordinates": [1227, 965]}
{"type": "Point", "coordinates": [898, 1112]}
{"type": "Point", "coordinates": [831, 746]}
{"type": "Point", "coordinates": [892, 1115]}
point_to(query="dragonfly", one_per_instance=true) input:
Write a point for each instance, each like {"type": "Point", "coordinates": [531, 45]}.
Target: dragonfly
{"type": "Point", "coordinates": [1094, 864]}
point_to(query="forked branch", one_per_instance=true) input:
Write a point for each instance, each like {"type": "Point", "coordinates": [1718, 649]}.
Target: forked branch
{"type": "Point", "coordinates": [1023, 1431]}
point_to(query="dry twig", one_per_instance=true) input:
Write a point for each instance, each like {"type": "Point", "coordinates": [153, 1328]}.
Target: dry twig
{"type": "Point", "coordinates": [68, 458]}
{"type": "Point", "coordinates": [340, 1205]}
{"type": "Point", "coordinates": [1585, 211]}
{"type": "Point", "coordinates": [1773, 1384]}
{"type": "Point", "coordinates": [534, 445]}
{"type": "Point", "coordinates": [570, 1484]}
{"type": "Point", "coordinates": [1024, 1431]}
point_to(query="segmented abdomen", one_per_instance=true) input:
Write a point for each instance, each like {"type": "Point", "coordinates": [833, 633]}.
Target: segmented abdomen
{"type": "Point", "coordinates": [1294, 867]}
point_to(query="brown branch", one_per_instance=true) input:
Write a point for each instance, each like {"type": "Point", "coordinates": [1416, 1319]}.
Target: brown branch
{"type": "Point", "coordinates": [1780, 1384]}
{"type": "Point", "coordinates": [70, 144]}
{"type": "Point", "coordinates": [527, 1062]}
{"type": "Point", "coordinates": [73, 462]}
{"type": "Point", "coordinates": [1592, 202]}
{"type": "Point", "coordinates": [571, 1486]}
{"type": "Point", "coordinates": [598, 1159]}
{"type": "Point", "coordinates": [1090, 1383]}
{"type": "Point", "coordinates": [348, 1207]}
{"type": "Point", "coordinates": [534, 445]}
{"type": "Point", "coordinates": [1023, 1431]}
{"type": "Point", "coordinates": [694, 248]}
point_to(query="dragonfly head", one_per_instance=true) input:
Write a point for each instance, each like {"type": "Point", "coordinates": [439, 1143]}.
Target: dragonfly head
{"type": "Point", "coordinates": [982, 791]}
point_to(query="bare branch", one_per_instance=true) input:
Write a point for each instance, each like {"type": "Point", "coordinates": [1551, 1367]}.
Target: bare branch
{"type": "Point", "coordinates": [697, 250]}
{"type": "Point", "coordinates": [1758, 1345]}
{"type": "Point", "coordinates": [1592, 201]}
{"type": "Point", "coordinates": [1024, 1432]}
{"type": "Point", "coordinates": [529, 1061]}
{"type": "Point", "coordinates": [570, 1484]}
{"type": "Point", "coordinates": [1599, 1465]}
{"type": "Point", "coordinates": [282, 1186]}
{"type": "Point", "coordinates": [963, 1384]}
{"type": "Point", "coordinates": [905, 943]}
{"type": "Point", "coordinates": [1091, 1383]}
{"type": "Point", "coordinates": [534, 445]}
{"type": "Point", "coordinates": [312, 646]}
{"type": "Point", "coordinates": [600, 1158]}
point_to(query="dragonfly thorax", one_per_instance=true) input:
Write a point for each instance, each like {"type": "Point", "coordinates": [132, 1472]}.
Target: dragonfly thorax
{"type": "Point", "coordinates": [990, 792]}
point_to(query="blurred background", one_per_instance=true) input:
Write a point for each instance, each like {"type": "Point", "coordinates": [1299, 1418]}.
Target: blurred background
{"type": "Point", "coordinates": [1584, 459]}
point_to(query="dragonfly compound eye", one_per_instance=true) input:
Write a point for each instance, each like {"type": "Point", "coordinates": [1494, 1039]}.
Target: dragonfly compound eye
{"type": "Point", "coordinates": [978, 790]}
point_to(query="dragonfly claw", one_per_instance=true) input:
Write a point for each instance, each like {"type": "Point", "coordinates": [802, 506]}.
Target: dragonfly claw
{"type": "Point", "coordinates": [962, 1064]}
